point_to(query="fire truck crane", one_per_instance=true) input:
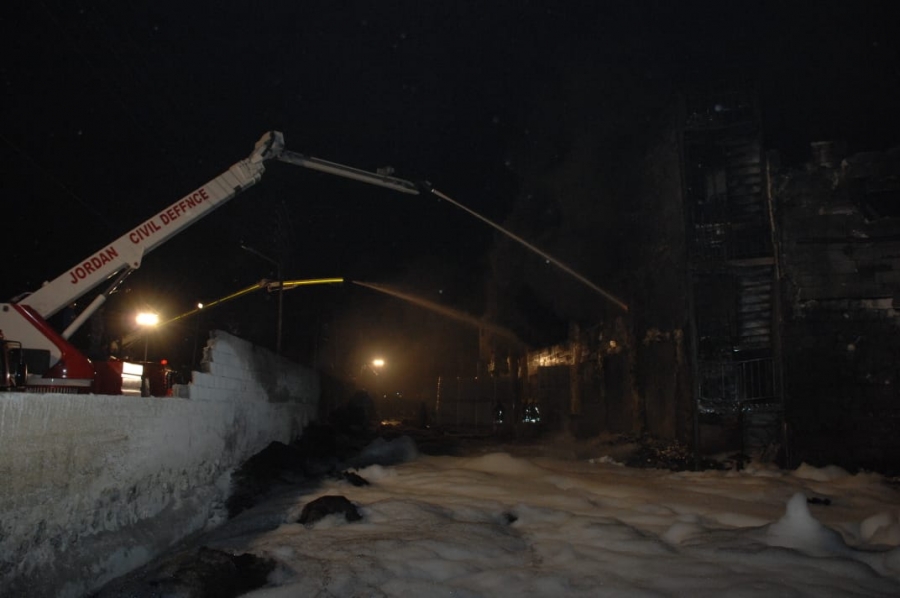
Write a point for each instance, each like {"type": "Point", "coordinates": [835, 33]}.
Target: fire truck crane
{"type": "Point", "coordinates": [38, 358]}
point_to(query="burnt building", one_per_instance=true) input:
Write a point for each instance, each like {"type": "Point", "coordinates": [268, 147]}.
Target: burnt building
{"type": "Point", "coordinates": [838, 246]}
{"type": "Point", "coordinates": [731, 266]}
{"type": "Point", "coordinates": [762, 298]}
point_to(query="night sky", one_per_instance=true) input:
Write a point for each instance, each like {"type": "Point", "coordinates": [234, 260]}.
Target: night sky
{"type": "Point", "coordinates": [113, 110]}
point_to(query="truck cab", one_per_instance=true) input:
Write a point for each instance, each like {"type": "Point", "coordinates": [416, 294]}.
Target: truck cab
{"type": "Point", "coordinates": [13, 368]}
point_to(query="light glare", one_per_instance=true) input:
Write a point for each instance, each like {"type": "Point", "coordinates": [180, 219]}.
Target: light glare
{"type": "Point", "coordinates": [147, 319]}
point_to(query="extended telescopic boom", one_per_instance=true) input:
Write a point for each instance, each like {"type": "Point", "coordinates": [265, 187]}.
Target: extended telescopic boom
{"type": "Point", "coordinates": [25, 318]}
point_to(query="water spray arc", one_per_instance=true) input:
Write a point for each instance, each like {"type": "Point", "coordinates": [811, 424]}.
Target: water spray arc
{"type": "Point", "coordinates": [443, 310]}
{"type": "Point", "coordinates": [404, 186]}
{"type": "Point", "coordinates": [565, 268]}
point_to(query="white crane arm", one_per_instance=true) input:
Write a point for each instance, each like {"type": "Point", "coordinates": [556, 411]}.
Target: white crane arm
{"type": "Point", "coordinates": [127, 251]}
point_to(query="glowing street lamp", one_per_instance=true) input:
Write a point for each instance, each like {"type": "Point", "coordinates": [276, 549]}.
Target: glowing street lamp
{"type": "Point", "coordinates": [147, 321]}
{"type": "Point", "coordinates": [377, 364]}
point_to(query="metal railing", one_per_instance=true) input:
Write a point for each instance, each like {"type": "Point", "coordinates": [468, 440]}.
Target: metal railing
{"type": "Point", "coordinates": [726, 386]}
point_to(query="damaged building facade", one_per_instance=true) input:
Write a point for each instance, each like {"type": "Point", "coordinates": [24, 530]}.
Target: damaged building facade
{"type": "Point", "coordinates": [762, 297]}
{"type": "Point", "coordinates": [838, 242]}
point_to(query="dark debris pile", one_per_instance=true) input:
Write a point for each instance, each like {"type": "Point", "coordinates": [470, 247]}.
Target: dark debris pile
{"type": "Point", "coordinates": [318, 453]}
{"type": "Point", "coordinates": [657, 453]}
{"type": "Point", "coordinates": [198, 573]}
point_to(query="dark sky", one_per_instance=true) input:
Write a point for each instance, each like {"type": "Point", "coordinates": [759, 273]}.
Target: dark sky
{"type": "Point", "coordinates": [113, 110]}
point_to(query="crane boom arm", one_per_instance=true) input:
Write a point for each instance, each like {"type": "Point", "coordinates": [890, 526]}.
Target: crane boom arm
{"type": "Point", "coordinates": [127, 251]}
{"type": "Point", "coordinates": [25, 318]}
{"type": "Point", "coordinates": [348, 172]}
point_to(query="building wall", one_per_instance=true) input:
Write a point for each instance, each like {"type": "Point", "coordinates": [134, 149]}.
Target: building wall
{"type": "Point", "coordinates": [603, 380]}
{"type": "Point", "coordinates": [839, 225]}
{"type": "Point", "coordinates": [94, 486]}
{"type": "Point", "coordinates": [629, 372]}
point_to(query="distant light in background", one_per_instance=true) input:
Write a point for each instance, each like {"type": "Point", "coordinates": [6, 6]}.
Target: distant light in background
{"type": "Point", "coordinates": [378, 363]}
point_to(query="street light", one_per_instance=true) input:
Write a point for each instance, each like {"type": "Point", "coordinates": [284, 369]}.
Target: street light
{"type": "Point", "coordinates": [196, 335]}
{"type": "Point", "coordinates": [377, 365]}
{"type": "Point", "coordinates": [147, 321]}
{"type": "Point", "coordinates": [280, 293]}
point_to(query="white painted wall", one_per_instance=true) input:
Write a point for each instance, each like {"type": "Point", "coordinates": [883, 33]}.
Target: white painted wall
{"type": "Point", "coordinates": [93, 486]}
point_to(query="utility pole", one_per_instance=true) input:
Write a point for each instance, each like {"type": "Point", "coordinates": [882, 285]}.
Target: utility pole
{"type": "Point", "coordinates": [280, 293]}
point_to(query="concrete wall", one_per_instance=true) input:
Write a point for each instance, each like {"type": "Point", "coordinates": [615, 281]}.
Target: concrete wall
{"type": "Point", "coordinates": [93, 486]}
